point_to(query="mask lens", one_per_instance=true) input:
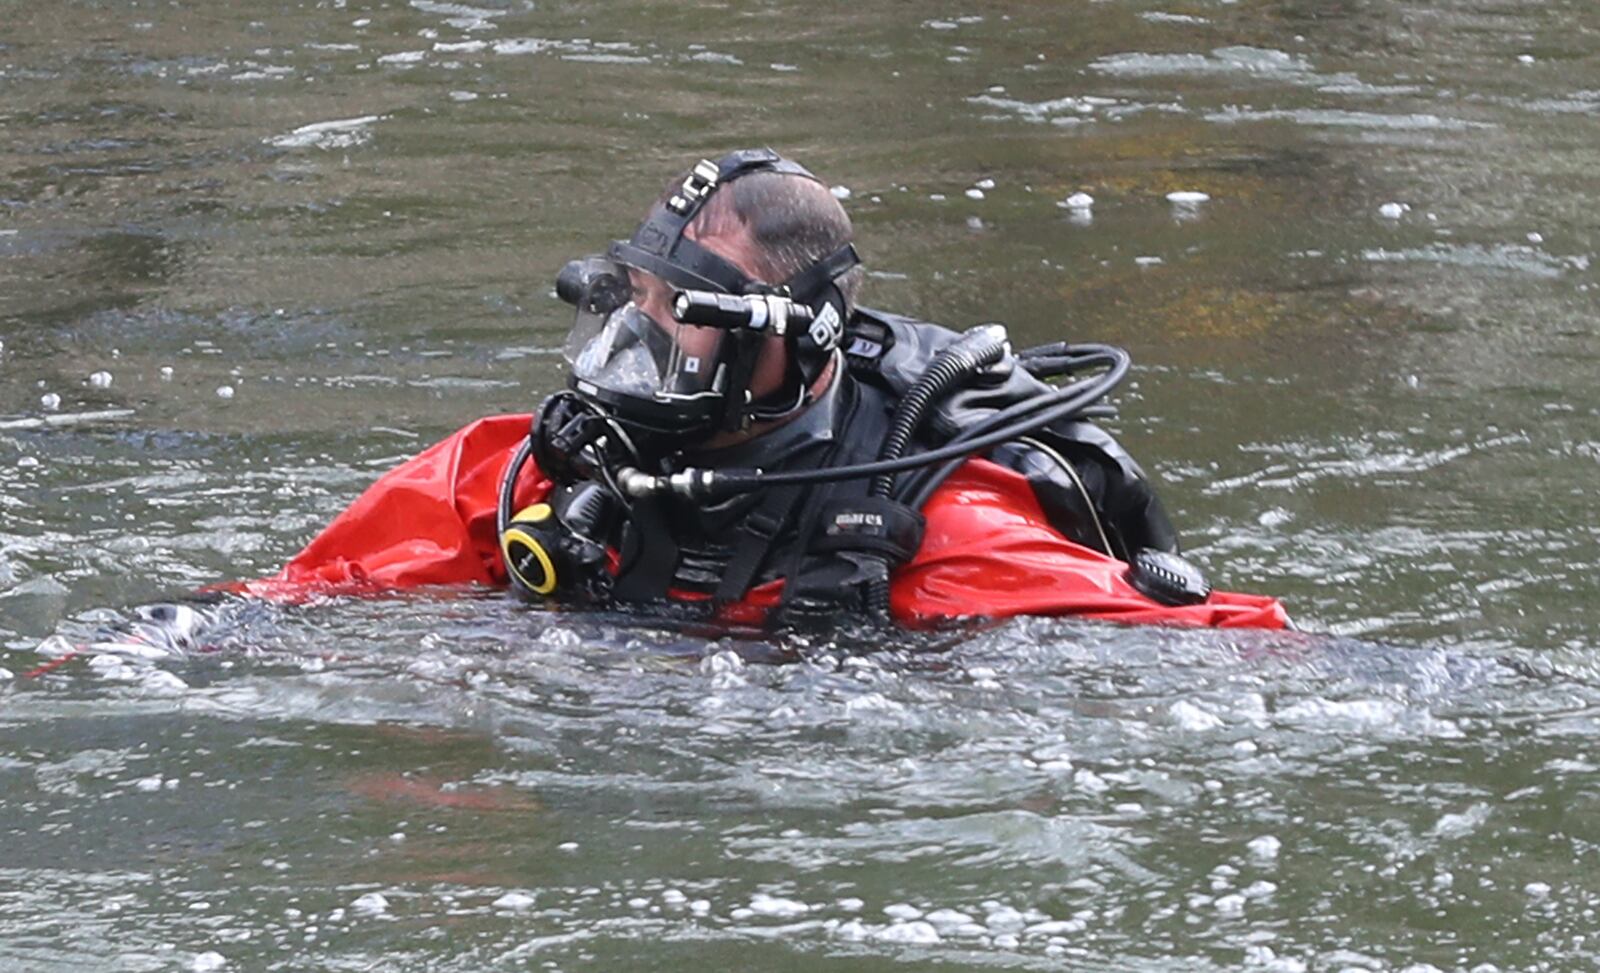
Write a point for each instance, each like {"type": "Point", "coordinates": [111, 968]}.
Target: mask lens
{"type": "Point", "coordinates": [636, 348]}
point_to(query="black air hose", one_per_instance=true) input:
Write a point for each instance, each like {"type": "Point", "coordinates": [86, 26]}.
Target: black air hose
{"type": "Point", "coordinates": [979, 347]}
{"type": "Point", "coordinates": [508, 488]}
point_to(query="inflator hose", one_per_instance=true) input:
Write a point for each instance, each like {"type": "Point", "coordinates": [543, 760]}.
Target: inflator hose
{"type": "Point", "coordinates": [1064, 403]}
{"type": "Point", "coordinates": [980, 347]}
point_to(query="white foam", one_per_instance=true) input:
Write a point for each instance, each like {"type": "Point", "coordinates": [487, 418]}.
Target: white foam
{"type": "Point", "coordinates": [1054, 110]}
{"type": "Point", "coordinates": [974, 193]}
{"type": "Point", "coordinates": [715, 57]}
{"type": "Point", "coordinates": [1340, 118]}
{"type": "Point", "coordinates": [920, 933]}
{"type": "Point", "coordinates": [902, 910]}
{"type": "Point", "coordinates": [1077, 201]}
{"type": "Point", "coordinates": [854, 930]}
{"type": "Point", "coordinates": [50, 401]}
{"type": "Point", "coordinates": [339, 133]}
{"type": "Point", "coordinates": [159, 682]}
{"type": "Point", "coordinates": [371, 904]}
{"type": "Point", "coordinates": [270, 72]}
{"type": "Point", "coordinates": [771, 905]}
{"type": "Point", "coordinates": [946, 919]}
{"type": "Point", "coordinates": [1004, 919]}
{"type": "Point", "coordinates": [1188, 716]}
{"type": "Point", "coordinates": [1263, 62]}
{"type": "Point", "coordinates": [100, 380]}
{"type": "Point", "coordinates": [514, 901]}
{"type": "Point", "coordinates": [1260, 890]}
{"type": "Point", "coordinates": [1392, 211]}
{"type": "Point", "coordinates": [840, 192]}
{"type": "Point", "coordinates": [851, 904]}
{"type": "Point", "coordinates": [207, 962]}
{"type": "Point", "coordinates": [1188, 197]}
{"type": "Point", "coordinates": [1265, 847]}
{"type": "Point", "coordinates": [1090, 781]}
{"type": "Point", "coordinates": [1451, 826]}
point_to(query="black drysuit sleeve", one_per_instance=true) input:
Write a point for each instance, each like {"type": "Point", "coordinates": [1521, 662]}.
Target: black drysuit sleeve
{"type": "Point", "coordinates": [1091, 490]}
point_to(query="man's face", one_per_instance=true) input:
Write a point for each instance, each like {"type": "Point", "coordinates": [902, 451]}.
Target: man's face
{"type": "Point", "coordinates": [653, 296]}
{"type": "Point", "coordinates": [737, 248]}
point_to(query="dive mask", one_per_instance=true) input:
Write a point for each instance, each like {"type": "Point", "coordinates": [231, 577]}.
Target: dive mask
{"type": "Point", "coordinates": [627, 351]}
{"type": "Point", "coordinates": [631, 355]}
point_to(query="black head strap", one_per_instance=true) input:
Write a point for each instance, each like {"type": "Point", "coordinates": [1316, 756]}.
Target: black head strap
{"type": "Point", "coordinates": [808, 284]}
{"type": "Point", "coordinates": [659, 245]}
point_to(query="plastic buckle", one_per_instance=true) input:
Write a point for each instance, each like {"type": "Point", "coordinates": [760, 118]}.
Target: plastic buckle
{"type": "Point", "coordinates": [763, 524]}
{"type": "Point", "coordinates": [701, 181]}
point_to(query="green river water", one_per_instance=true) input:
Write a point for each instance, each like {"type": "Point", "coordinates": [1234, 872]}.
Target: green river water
{"type": "Point", "coordinates": [285, 245]}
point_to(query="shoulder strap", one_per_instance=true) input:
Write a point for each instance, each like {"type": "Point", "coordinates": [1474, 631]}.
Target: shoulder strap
{"type": "Point", "coordinates": [757, 534]}
{"type": "Point", "coordinates": [649, 554]}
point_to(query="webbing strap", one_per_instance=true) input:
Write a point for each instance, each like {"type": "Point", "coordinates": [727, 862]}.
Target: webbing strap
{"type": "Point", "coordinates": [757, 534]}
{"type": "Point", "coordinates": [649, 554]}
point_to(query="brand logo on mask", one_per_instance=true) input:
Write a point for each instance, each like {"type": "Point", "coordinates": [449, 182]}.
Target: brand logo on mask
{"type": "Point", "coordinates": [826, 328]}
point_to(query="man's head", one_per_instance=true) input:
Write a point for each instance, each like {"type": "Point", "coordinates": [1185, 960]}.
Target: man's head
{"type": "Point", "coordinates": [772, 226]}
{"type": "Point", "coordinates": [753, 226]}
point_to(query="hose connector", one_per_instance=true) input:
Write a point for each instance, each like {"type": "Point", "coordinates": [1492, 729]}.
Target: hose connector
{"type": "Point", "coordinates": [690, 484]}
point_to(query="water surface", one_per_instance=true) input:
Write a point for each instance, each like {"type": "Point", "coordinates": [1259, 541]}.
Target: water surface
{"type": "Point", "coordinates": [1365, 370]}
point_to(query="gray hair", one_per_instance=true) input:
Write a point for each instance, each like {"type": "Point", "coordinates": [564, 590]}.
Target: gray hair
{"type": "Point", "coordinates": [791, 221]}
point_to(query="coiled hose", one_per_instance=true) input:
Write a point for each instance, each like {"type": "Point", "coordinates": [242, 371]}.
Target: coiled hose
{"type": "Point", "coordinates": [978, 348]}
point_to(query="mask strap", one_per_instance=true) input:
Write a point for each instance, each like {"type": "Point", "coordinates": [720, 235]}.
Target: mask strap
{"type": "Point", "coordinates": [806, 285]}
{"type": "Point", "coordinates": [691, 267]}
{"type": "Point", "coordinates": [659, 245]}
{"type": "Point", "coordinates": [741, 365]}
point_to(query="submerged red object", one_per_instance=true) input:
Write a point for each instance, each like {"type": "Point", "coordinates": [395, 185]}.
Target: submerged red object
{"type": "Point", "coordinates": [988, 550]}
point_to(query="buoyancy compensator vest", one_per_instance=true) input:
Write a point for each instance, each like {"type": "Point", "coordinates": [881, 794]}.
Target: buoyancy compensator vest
{"type": "Point", "coordinates": [835, 539]}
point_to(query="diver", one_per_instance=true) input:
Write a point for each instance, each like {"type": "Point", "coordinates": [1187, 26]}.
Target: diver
{"type": "Point", "coordinates": [739, 433]}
